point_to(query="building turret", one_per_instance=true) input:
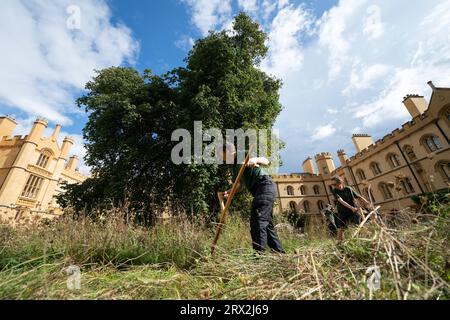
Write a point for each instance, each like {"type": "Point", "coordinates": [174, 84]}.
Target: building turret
{"type": "Point", "coordinates": [38, 130]}
{"type": "Point", "coordinates": [72, 164]}
{"type": "Point", "coordinates": [415, 104]}
{"type": "Point", "coordinates": [325, 163]}
{"type": "Point", "coordinates": [342, 158]}
{"type": "Point", "coordinates": [7, 126]}
{"type": "Point", "coordinates": [56, 132]}
{"type": "Point", "coordinates": [362, 141]}
{"type": "Point", "coordinates": [308, 166]}
{"type": "Point", "coordinates": [67, 144]}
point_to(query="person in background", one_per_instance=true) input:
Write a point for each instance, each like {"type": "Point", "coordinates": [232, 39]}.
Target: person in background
{"type": "Point", "coordinates": [347, 210]}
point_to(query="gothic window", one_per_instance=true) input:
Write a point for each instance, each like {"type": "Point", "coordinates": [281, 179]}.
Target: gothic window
{"type": "Point", "coordinates": [293, 206]}
{"type": "Point", "coordinates": [407, 186]}
{"type": "Point", "coordinates": [361, 174]}
{"type": "Point", "coordinates": [320, 205]}
{"type": "Point", "coordinates": [290, 191]}
{"type": "Point", "coordinates": [432, 143]}
{"type": "Point", "coordinates": [316, 190]}
{"type": "Point", "coordinates": [302, 190]}
{"type": "Point", "coordinates": [393, 160]}
{"type": "Point", "coordinates": [443, 168]}
{"type": "Point", "coordinates": [376, 169]}
{"type": "Point", "coordinates": [306, 206]}
{"type": "Point", "coordinates": [32, 187]}
{"type": "Point", "coordinates": [43, 160]}
{"type": "Point", "coordinates": [385, 191]}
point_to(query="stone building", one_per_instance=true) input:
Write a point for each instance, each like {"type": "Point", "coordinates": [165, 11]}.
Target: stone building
{"type": "Point", "coordinates": [411, 160]}
{"type": "Point", "coordinates": [32, 171]}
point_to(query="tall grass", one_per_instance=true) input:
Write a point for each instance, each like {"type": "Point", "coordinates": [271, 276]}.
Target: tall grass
{"type": "Point", "coordinates": [121, 260]}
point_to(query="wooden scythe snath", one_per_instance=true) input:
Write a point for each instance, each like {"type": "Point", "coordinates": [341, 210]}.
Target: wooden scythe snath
{"type": "Point", "coordinates": [224, 208]}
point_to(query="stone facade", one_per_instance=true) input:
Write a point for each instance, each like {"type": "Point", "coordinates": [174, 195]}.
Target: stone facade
{"type": "Point", "coordinates": [32, 171]}
{"type": "Point", "coordinates": [411, 160]}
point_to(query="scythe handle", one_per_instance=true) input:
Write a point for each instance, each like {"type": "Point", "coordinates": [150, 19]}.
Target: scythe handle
{"type": "Point", "coordinates": [233, 191]}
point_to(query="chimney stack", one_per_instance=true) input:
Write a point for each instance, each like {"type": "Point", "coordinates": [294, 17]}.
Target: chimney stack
{"type": "Point", "coordinates": [308, 166]}
{"type": "Point", "coordinates": [342, 158]}
{"type": "Point", "coordinates": [67, 144]}
{"type": "Point", "coordinates": [415, 104]}
{"type": "Point", "coordinates": [56, 132]}
{"type": "Point", "coordinates": [7, 126]}
{"type": "Point", "coordinates": [361, 141]}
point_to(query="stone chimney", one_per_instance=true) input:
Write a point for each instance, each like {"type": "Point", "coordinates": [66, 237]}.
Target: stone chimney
{"type": "Point", "coordinates": [67, 144]}
{"type": "Point", "coordinates": [415, 104]}
{"type": "Point", "coordinates": [308, 166]}
{"type": "Point", "coordinates": [56, 132]}
{"type": "Point", "coordinates": [342, 158]}
{"type": "Point", "coordinates": [7, 126]}
{"type": "Point", "coordinates": [361, 141]}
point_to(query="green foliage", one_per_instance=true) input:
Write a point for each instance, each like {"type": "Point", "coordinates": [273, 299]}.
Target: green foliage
{"type": "Point", "coordinates": [132, 117]}
{"type": "Point", "coordinates": [296, 219]}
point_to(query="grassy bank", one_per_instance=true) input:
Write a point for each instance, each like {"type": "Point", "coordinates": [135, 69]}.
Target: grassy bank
{"type": "Point", "coordinates": [119, 260]}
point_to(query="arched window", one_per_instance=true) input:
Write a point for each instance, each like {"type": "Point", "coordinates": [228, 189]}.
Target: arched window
{"type": "Point", "coordinates": [407, 186]}
{"type": "Point", "coordinates": [443, 167]}
{"type": "Point", "coordinates": [302, 190]}
{"type": "Point", "coordinates": [393, 160]}
{"type": "Point", "coordinates": [43, 159]}
{"type": "Point", "coordinates": [290, 191]}
{"type": "Point", "coordinates": [432, 143]}
{"type": "Point", "coordinates": [361, 174]}
{"type": "Point", "coordinates": [409, 151]}
{"type": "Point", "coordinates": [385, 191]}
{"type": "Point", "coordinates": [320, 205]}
{"type": "Point", "coordinates": [306, 206]}
{"type": "Point", "coordinates": [376, 169]}
{"type": "Point", "coordinates": [293, 206]}
{"type": "Point", "coordinates": [316, 190]}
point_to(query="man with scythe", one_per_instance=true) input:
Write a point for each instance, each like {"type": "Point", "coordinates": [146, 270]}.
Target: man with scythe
{"type": "Point", "coordinates": [263, 189]}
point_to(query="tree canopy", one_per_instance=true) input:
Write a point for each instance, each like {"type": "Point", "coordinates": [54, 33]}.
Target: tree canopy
{"type": "Point", "coordinates": [131, 117]}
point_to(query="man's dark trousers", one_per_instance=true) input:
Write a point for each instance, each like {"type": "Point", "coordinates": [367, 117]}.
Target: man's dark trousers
{"type": "Point", "coordinates": [261, 226]}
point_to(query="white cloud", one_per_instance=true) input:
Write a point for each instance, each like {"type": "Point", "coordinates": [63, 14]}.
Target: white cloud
{"type": "Point", "coordinates": [332, 111]}
{"type": "Point", "coordinates": [248, 5]}
{"type": "Point", "coordinates": [360, 57]}
{"type": "Point", "coordinates": [323, 132]}
{"type": "Point", "coordinates": [285, 50]}
{"type": "Point", "coordinates": [373, 26]}
{"type": "Point", "coordinates": [43, 62]}
{"type": "Point", "coordinates": [185, 43]}
{"type": "Point", "coordinates": [210, 14]}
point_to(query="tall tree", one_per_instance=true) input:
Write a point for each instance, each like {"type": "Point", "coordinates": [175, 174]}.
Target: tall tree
{"type": "Point", "coordinates": [132, 117]}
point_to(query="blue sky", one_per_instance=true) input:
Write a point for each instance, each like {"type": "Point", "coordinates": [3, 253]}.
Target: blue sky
{"type": "Point", "coordinates": [346, 65]}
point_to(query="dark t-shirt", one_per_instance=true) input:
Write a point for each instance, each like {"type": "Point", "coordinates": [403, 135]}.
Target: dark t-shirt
{"type": "Point", "coordinates": [250, 176]}
{"type": "Point", "coordinates": [348, 195]}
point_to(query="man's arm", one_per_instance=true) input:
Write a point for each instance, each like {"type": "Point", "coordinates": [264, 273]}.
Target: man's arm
{"type": "Point", "coordinates": [345, 204]}
{"type": "Point", "coordinates": [256, 162]}
{"type": "Point", "coordinates": [366, 203]}
{"type": "Point", "coordinates": [227, 192]}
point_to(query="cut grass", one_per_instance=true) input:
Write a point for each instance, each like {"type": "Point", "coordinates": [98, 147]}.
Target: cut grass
{"type": "Point", "coordinates": [172, 261]}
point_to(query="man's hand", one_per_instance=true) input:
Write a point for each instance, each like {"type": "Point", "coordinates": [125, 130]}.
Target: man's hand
{"type": "Point", "coordinates": [226, 193]}
{"type": "Point", "coordinates": [252, 163]}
